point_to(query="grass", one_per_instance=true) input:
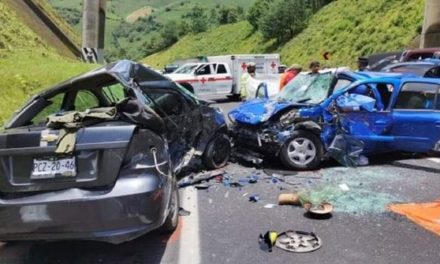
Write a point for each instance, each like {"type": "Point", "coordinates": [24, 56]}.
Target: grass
{"type": "Point", "coordinates": [229, 39]}
{"type": "Point", "coordinates": [27, 64]}
{"type": "Point", "coordinates": [350, 28]}
{"type": "Point", "coordinates": [345, 28]}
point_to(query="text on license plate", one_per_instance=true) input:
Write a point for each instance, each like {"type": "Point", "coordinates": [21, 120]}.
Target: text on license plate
{"type": "Point", "coordinates": [48, 168]}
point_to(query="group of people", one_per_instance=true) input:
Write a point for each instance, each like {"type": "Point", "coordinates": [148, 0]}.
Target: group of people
{"type": "Point", "coordinates": [286, 77]}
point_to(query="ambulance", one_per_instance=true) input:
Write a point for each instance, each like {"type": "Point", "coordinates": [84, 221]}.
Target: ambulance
{"type": "Point", "coordinates": [220, 75]}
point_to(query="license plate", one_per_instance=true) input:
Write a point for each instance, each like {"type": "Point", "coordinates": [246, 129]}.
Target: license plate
{"type": "Point", "coordinates": [49, 168]}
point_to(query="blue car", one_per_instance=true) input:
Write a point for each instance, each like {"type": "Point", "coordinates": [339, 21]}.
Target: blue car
{"type": "Point", "coordinates": [343, 115]}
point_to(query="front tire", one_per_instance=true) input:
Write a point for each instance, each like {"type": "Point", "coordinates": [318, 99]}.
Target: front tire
{"type": "Point", "coordinates": [303, 151]}
{"type": "Point", "coordinates": [217, 152]}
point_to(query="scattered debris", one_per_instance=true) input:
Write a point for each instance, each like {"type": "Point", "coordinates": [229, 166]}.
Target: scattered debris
{"type": "Point", "coordinates": [344, 187]}
{"type": "Point", "coordinates": [268, 240]}
{"type": "Point", "coordinates": [227, 194]}
{"type": "Point", "coordinates": [270, 206]}
{"type": "Point", "coordinates": [183, 212]}
{"type": "Point", "coordinates": [254, 198]}
{"type": "Point", "coordinates": [298, 241]}
{"type": "Point", "coordinates": [426, 215]}
{"type": "Point", "coordinates": [320, 209]}
{"type": "Point", "coordinates": [285, 173]}
{"type": "Point", "coordinates": [202, 186]}
{"type": "Point", "coordinates": [289, 199]}
{"type": "Point", "coordinates": [198, 178]}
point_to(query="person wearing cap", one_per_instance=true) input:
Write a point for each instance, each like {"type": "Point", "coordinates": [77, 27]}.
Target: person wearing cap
{"type": "Point", "coordinates": [250, 73]}
{"type": "Point", "coordinates": [362, 63]}
{"type": "Point", "coordinates": [289, 75]}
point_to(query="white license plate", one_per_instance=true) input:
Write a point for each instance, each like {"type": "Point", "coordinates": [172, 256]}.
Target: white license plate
{"type": "Point", "coordinates": [49, 168]}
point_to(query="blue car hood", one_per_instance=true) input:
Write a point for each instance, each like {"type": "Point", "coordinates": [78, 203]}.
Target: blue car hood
{"type": "Point", "coordinates": [258, 111]}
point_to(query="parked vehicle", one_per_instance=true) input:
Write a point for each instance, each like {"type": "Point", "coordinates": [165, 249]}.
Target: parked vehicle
{"type": "Point", "coordinates": [220, 75]}
{"type": "Point", "coordinates": [95, 157]}
{"type": "Point", "coordinates": [418, 54]}
{"type": "Point", "coordinates": [342, 116]}
{"type": "Point", "coordinates": [429, 68]}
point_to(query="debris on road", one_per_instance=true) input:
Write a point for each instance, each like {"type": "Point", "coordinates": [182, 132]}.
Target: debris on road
{"type": "Point", "coordinates": [202, 186]}
{"type": "Point", "coordinates": [199, 178]}
{"type": "Point", "coordinates": [320, 209]}
{"type": "Point", "coordinates": [183, 212]}
{"type": "Point", "coordinates": [344, 187]}
{"type": "Point", "coordinates": [298, 241]}
{"type": "Point", "coordinates": [254, 198]}
{"type": "Point", "coordinates": [268, 240]}
{"type": "Point", "coordinates": [289, 199]}
{"type": "Point", "coordinates": [270, 206]}
{"type": "Point", "coordinates": [426, 215]}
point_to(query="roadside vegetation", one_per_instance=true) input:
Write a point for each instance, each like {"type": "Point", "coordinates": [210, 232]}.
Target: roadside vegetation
{"type": "Point", "coordinates": [344, 28]}
{"type": "Point", "coordinates": [27, 64]}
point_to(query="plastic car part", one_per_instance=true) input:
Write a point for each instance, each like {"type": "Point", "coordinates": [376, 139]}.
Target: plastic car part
{"type": "Point", "coordinates": [172, 219]}
{"type": "Point", "coordinates": [298, 241]}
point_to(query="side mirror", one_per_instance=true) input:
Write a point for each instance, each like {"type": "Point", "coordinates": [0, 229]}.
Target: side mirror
{"type": "Point", "coordinates": [262, 91]}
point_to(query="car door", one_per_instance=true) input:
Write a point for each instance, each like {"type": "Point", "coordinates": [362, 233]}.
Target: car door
{"type": "Point", "coordinates": [204, 75]}
{"type": "Point", "coordinates": [181, 119]}
{"type": "Point", "coordinates": [416, 117]}
{"type": "Point", "coordinates": [222, 79]}
{"type": "Point", "coordinates": [371, 127]}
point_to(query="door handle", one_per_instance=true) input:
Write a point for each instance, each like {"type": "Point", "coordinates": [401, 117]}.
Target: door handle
{"type": "Point", "coordinates": [211, 79]}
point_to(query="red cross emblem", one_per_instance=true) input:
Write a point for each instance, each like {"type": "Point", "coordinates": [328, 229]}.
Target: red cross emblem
{"type": "Point", "coordinates": [244, 66]}
{"type": "Point", "coordinates": [273, 65]}
{"type": "Point", "coordinates": [203, 80]}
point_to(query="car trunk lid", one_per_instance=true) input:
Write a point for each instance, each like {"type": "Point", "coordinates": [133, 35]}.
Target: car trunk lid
{"type": "Point", "coordinates": [95, 162]}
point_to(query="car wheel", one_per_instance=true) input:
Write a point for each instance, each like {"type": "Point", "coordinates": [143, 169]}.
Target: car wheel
{"type": "Point", "coordinates": [217, 152]}
{"type": "Point", "coordinates": [172, 219]}
{"type": "Point", "coordinates": [302, 151]}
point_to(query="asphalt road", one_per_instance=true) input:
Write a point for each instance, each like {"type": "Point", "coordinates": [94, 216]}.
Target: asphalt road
{"type": "Point", "coordinates": [223, 226]}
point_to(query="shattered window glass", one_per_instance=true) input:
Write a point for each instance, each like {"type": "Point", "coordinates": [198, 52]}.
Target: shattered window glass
{"type": "Point", "coordinates": [114, 93]}
{"type": "Point", "coordinates": [307, 88]}
{"type": "Point", "coordinates": [417, 96]}
{"type": "Point", "coordinates": [85, 100]}
{"type": "Point", "coordinates": [54, 106]}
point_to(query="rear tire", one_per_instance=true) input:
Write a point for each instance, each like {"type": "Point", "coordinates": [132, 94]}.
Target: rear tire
{"type": "Point", "coordinates": [217, 152]}
{"type": "Point", "coordinates": [172, 220]}
{"type": "Point", "coordinates": [303, 151]}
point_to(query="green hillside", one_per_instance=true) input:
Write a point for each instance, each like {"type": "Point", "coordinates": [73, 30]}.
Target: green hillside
{"type": "Point", "coordinates": [349, 28]}
{"type": "Point", "coordinates": [27, 64]}
{"type": "Point", "coordinates": [227, 39]}
{"type": "Point", "coordinates": [345, 28]}
{"type": "Point", "coordinates": [132, 25]}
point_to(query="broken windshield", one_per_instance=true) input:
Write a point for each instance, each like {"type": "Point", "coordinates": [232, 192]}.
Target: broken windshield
{"type": "Point", "coordinates": [186, 69]}
{"type": "Point", "coordinates": [307, 88]}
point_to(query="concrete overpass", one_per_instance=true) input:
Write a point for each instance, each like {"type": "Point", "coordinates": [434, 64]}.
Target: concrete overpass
{"type": "Point", "coordinates": [37, 16]}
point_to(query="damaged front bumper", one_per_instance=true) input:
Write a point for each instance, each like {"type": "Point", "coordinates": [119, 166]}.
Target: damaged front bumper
{"type": "Point", "coordinates": [133, 207]}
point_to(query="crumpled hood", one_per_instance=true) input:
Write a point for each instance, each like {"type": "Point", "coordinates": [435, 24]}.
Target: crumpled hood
{"type": "Point", "coordinates": [258, 111]}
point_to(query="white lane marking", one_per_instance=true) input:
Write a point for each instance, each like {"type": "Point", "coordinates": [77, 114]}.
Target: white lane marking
{"type": "Point", "coordinates": [189, 244]}
{"type": "Point", "coordinates": [437, 160]}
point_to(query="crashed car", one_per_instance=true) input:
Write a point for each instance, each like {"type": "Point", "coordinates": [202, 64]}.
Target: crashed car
{"type": "Point", "coordinates": [343, 116]}
{"type": "Point", "coordinates": [429, 68]}
{"type": "Point", "coordinates": [95, 157]}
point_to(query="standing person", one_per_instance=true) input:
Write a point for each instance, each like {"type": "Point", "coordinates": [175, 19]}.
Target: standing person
{"type": "Point", "coordinates": [289, 75]}
{"type": "Point", "coordinates": [362, 64]}
{"type": "Point", "coordinates": [314, 67]}
{"type": "Point", "coordinates": [251, 68]}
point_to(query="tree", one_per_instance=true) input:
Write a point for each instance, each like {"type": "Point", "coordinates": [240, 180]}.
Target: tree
{"type": "Point", "coordinates": [257, 10]}
{"type": "Point", "coordinates": [227, 15]}
{"type": "Point", "coordinates": [198, 20]}
{"type": "Point", "coordinates": [284, 20]}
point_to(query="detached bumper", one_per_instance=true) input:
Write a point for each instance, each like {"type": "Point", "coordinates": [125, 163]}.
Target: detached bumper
{"type": "Point", "coordinates": [133, 207]}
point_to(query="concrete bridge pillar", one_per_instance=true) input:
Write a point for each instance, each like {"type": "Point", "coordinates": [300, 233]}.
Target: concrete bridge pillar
{"type": "Point", "coordinates": [93, 30]}
{"type": "Point", "coordinates": [431, 25]}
